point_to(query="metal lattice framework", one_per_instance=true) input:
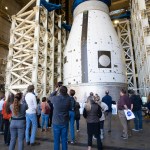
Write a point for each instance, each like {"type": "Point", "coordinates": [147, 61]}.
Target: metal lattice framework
{"type": "Point", "coordinates": [140, 20]}
{"type": "Point", "coordinates": [32, 50]}
{"type": "Point", "coordinates": [124, 34]}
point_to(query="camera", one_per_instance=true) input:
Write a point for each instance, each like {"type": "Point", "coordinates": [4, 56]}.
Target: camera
{"type": "Point", "coordinates": [59, 84]}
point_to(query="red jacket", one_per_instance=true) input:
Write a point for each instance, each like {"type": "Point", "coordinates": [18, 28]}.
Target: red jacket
{"type": "Point", "coordinates": [4, 113]}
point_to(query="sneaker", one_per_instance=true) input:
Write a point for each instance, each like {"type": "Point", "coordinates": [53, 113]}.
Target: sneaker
{"type": "Point", "coordinates": [102, 136]}
{"type": "Point", "coordinates": [140, 129]}
{"type": "Point", "coordinates": [78, 130]}
{"type": "Point", "coordinates": [72, 142]}
{"type": "Point", "coordinates": [124, 137]}
{"type": "Point", "coordinates": [94, 138]}
{"type": "Point", "coordinates": [135, 130]}
{"type": "Point", "coordinates": [35, 144]}
{"type": "Point", "coordinates": [28, 143]}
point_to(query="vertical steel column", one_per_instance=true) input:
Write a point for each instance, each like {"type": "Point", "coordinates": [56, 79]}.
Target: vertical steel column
{"type": "Point", "coordinates": [51, 47]}
{"type": "Point", "coordinates": [59, 59]}
{"type": "Point", "coordinates": [59, 47]}
{"type": "Point", "coordinates": [36, 46]}
{"type": "Point", "coordinates": [44, 48]}
{"type": "Point", "coordinates": [9, 59]}
{"type": "Point", "coordinates": [63, 48]}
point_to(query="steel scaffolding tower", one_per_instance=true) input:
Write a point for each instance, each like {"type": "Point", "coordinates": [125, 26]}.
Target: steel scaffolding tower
{"type": "Point", "coordinates": [140, 19]}
{"type": "Point", "coordinates": [35, 34]}
{"type": "Point", "coordinates": [124, 33]}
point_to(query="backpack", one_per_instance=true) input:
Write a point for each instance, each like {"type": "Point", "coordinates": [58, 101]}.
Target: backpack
{"type": "Point", "coordinates": [72, 103]}
{"type": "Point", "coordinates": [99, 112]}
{"type": "Point", "coordinates": [47, 110]}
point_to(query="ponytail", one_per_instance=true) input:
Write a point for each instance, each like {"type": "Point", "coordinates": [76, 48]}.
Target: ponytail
{"type": "Point", "coordinates": [16, 104]}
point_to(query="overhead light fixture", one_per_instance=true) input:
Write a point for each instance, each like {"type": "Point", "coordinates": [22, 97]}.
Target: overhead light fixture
{"type": "Point", "coordinates": [116, 12]}
{"type": "Point", "coordinates": [6, 7]}
{"type": "Point", "coordinates": [116, 21]}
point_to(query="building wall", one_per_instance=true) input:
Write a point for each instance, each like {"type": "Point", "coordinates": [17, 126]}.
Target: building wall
{"type": "Point", "coordinates": [70, 11]}
{"type": "Point", "coordinates": [13, 6]}
{"type": "Point", "coordinates": [5, 24]}
{"type": "Point", "coordinates": [4, 30]}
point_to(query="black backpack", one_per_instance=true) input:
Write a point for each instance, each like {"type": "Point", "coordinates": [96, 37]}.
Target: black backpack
{"type": "Point", "coordinates": [72, 103]}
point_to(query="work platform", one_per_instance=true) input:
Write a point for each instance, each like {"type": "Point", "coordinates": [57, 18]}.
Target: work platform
{"type": "Point", "coordinates": [112, 141]}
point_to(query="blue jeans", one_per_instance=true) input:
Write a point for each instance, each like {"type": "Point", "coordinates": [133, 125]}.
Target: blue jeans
{"type": "Point", "coordinates": [71, 117]}
{"type": "Point", "coordinates": [45, 119]}
{"type": "Point", "coordinates": [31, 118]}
{"type": "Point", "coordinates": [17, 130]}
{"type": "Point", "coordinates": [138, 123]}
{"type": "Point", "coordinates": [60, 131]}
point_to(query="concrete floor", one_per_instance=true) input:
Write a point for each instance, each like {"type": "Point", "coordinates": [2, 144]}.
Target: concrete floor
{"type": "Point", "coordinates": [138, 141]}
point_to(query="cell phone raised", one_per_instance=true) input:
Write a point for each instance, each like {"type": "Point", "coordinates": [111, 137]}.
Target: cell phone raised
{"type": "Point", "coordinates": [59, 84]}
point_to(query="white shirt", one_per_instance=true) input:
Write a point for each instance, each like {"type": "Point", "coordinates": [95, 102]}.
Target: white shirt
{"type": "Point", "coordinates": [31, 102]}
{"type": "Point", "coordinates": [104, 108]}
{"type": "Point", "coordinates": [1, 104]}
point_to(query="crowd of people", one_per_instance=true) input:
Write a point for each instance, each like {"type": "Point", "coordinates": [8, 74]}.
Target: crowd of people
{"type": "Point", "coordinates": [21, 115]}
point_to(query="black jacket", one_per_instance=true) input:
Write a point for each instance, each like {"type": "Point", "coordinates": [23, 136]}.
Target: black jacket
{"type": "Point", "coordinates": [61, 109]}
{"type": "Point", "coordinates": [77, 111]}
{"type": "Point", "coordinates": [137, 102]}
{"type": "Point", "coordinates": [94, 114]}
